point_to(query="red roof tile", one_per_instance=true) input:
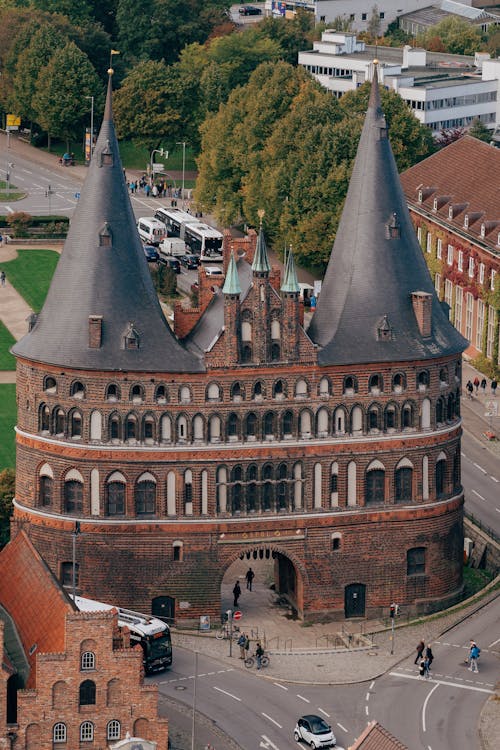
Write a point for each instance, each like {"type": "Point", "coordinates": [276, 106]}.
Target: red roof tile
{"type": "Point", "coordinates": [34, 599]}
{"type": "Point", "coordinates": [376, 737]}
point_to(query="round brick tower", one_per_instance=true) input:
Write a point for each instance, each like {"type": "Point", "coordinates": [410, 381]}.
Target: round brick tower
{"type": "Point", "coordinates": [335, 451]}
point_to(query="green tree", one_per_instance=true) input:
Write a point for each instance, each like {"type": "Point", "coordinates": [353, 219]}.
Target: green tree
{"type": "Point", "coordinates": [64, 85]}
{"type": "Point", "coordinates": [479, 130]}
{"type": "Point", "coordinates": [75, 12]}
{"type": "Point", "coordinates": [7, 490]}
{"type": "Point", "coordinates": [373, 25]}
{"type": "Point", "coordinates": [293, 35]}
{"type": "Point", "coordinates": [456, 35]}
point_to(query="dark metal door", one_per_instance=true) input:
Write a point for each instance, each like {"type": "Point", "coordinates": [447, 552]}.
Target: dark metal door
{"type": "Point", "coordinates": [164, 607]}
{"type": "Point", "coordinates": [355, 600]}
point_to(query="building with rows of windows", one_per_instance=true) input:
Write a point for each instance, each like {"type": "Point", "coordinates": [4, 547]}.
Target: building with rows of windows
{"type": "Point", "coordinates": [458, 226]}
{"type": "Point", "coordinates": [334, 450]}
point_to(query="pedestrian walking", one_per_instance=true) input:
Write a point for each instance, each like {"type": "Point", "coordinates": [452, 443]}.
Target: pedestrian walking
{"type": "Point", "coordinates": [429, 655]}
{"type": "Point", "coordinates": [424, 669]}
{"type": "Point", "coordinates": [473, 656]}
{"type": "Point", "coordinates": [249, 576]}
{"type": "Point", "coordinates": [2, 278]}
{"type": "Point", "coordinates": [236, 593]}
{"type": "Point", "coordinates": [483, 386]}
{"type": "Point", "coordinates": [259, 653]}
{"type": "Point", "coordinates": [242, 640]}
{"type": "Point", "coordinates": [420, 652]}
{"type": "Point", "coordinates": [470, 389]}
{"type": "Point", "coordinates": [476, 384]}
{"type": "Point", "coordinates": [494, 387]}
{"type": "Point", "coordinates": [1, 240]}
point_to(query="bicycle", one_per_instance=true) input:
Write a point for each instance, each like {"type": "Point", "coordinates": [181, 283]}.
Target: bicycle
{"type": "Point", "coordinates": [225, 632]}
{"type": "Point", "coordinates": [251, 660]}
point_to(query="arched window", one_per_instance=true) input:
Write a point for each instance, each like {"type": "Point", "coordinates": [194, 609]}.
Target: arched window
{"type": "Point", "coordinates": [334, 483]}
{"type": "Point", "coordinates": [77, 389]}
{"type": "Point", "coordinates": [188, 492]}
{"type": "Point", "coordinates": [145, 497]}
{"type": "Point", "coordinates": [45, 491]}
{"type": "Point", "coordinates": [148, 428]}
{"type": "Point", "coordinates": [233, 425]}
{"type": "Point", "coordinates": [87, 731]}
{"type": "Point", "coordinates": [282, 488]}
{"type": "Point", "coordinates": [236, 392]}
{"type": "Point", "coordinates": [87, 661]}
{"type": "Point", "coordinates": [137, 394]}
{"type": "Point", "coordinates": [350, 385]}
{"type": "Point", "coordinates": [49, 384]}
{"type": "Point", "coordinates": [443, 375]}
{"type": "Point", "coordinates": [398, 382]}
{"type": "Point", "coordinates": [59, 732]}
{"type": "Point", "coordinates": [415, 561]}
{"type": "Point", "coordinates": [375, 487]}
{"type": "Point", "coordinates": [44, 420]}
{"type": "Point", "coordinates": [269, 423]}
{"type": "Point", "coordinates": [404, 485]}
{"type": "Point", "coordinates": [336, 540]}
{"type": "Point", "coordinates": [185, 395]}
{"type": "Point", "coordinates": [76, 424]}
{"type": "Point", "coordinates": [177, 551]}
{"type": "Point", "coordinates": [251, 425]}
{"type": "Point", "coordinates": [114, 425]}
{"type": "Point", "coordinates": [87, 693]}
{"type": "Point", "coordinates": [439, 410]}
{"type": "Point", "coordinates": [59, 419]}
{"type": "Point", "coordinates": [278, 389]}
{"type": "Point", "coordinates": [450, 408]}
{"type": "Point", "coordinates": [113, 730]}
{"type": "Point", "coordinates": [258, 390]}
{"type": "Point", "coordinates": [166, 428]}
{"type": "Point", "coordinates": [161, 394]}
{"type": "Point", "coordinates": [287, 423]}
{"type": "Point", "coordinates": [275, 352]}
{"type": "Point", "coordinates": [246, 353]}
{"type": "Point", "coordinates": [213, 392]}
{"type": "Point", "coordinates": [275, 329]}
{"type": "Point", "coordinates": [67, 574]}
{"type": "Point", "coordinates": [390, 417]}
{"type": "Point", "coordinates": [73, 496]}
{"type": "Point", "coordinates": [237, 497]}
{"type": "Point", "coordinates": [423, 379]}
{"type": "Point", "coordinates": [131, 428]}
{"type": "Point", "coordinates": [114, 692]}
{"type": "Point", "coordinates": [214, 429]}
{"type": "Point", "coordinates": [407, 416]}
{"type": "Point", "coordinates": [112, 392]}
{"type": "Point", "coordinates": [339, 421]}
{"type": "Point", "coordinates": [115, 498]}
{"type": "Point", "coordinates": [267, 488]}
{"type": "Point", "coordinates": [375, 383]}
{"type": "Point", "coordinates": [440, 477]}
{"type": "Point", "coordinates": [373, 418]}
{"type": "Point", "coordinates": [301, 389]}
{"type": "Point", "coordinates": [251, 489]}
{"type": "Point", "coordinates": [325, 388]}
{"type": "Point", "coordinates": [457, 484]}
{"type": "Point", "coordinates": [182, 429]}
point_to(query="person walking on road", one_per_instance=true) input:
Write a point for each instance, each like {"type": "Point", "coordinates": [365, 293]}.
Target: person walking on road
{"type": "Point", "coordinates": [259, 653]}
{"type": "Point", "coordinates": [429, 656]}
{"type": "Point", "coordinates": [420, 652]}
{"type": "Point", "coordinates": [473, 656]}
{"type": "Point", "coordinates": [250, 575]}
{"type": "Point", "coordinates": [470, 389]}
{"type": "Point", "coordinates": [476, 384]}
{"type": "Point", "coordinates": [483, 386]}
{"type": "Point", "coordinates": [2, 278]}
{"type": "Point", "coordinates": [236, 593]}
{"type": "Point", "coordinates": [494, 387]}
{"type": "Point", "coordinates": [242, 640]}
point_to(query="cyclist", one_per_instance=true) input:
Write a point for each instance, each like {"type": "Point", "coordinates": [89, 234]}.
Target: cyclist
{"type": "Point", "coordinates": [259, 653]}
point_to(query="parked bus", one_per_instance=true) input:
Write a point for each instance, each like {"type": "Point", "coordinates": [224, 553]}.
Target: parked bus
{"type": "Point", "coordinates": [152, 634]}
{"type": "Point", "coordinates": [175, 220]}
{"type": "Point", "coordinates": [204, 241]}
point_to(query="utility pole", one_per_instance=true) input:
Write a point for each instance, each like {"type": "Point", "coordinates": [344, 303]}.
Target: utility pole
{"type": "Point", "coordinates": [74, 534]}
{"type": "Point", "coordinates": [183, 144]}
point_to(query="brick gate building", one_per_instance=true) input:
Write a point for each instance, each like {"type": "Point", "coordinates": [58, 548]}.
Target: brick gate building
{"type": "Point", "coordinates": [334, 450]}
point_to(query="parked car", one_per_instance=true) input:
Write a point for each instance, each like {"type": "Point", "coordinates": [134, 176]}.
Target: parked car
{"type": "Point", "coordinates": [314, 731]}
{"type": "Point", "coordinates": [250, 10]}
{"type": "Point", "coordinates": [190, 261]}
{"type": "Point", "coordinates": [151, 253]}
{"type": "Point", "coordinates": [172, 263]}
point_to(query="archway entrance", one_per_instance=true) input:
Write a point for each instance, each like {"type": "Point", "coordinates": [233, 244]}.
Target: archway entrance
{"type": "Point", "coordinates": [164, 607]}
{"type": "Point", "coordinates": [354, 600]}
{"type": "Point", "coordinates": [276, 585]}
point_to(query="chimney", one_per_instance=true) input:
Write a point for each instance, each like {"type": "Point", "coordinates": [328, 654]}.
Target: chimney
{"type": "Point", "coordinates": [422, 307]}
{"type": "Point", "coordinates": [95, 331]}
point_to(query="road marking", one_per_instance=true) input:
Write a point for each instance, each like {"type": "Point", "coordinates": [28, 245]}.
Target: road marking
{"type": "Point", "coordinates": [324, 713]}
{"type": "Point", "coordinates": [368, 696]}
{"type": "Point", "coordinates": [342, 728]}
{"type": "Point", "coordinates": [270, 719]}
{"type": "Point", "coordinates": [372, 685]}
{"type": "Point", "coordinates": [425, 705]}
{"type": "Point", "coordinates": [442, 682]}
{"type": "Point", "coordinates": [267, 743]}
{"type": "Point", "coordinates": [366, 710]}
{"type": "Point", "coordinates": [479, 467]}
{"type": "Point", "coordinates": [283, 687]}
{"type": "Point", "coordinates": [220, 690]}
{"type": "Point", "coordinates": [494, 643]}
{"type": "Point", "coordinates": [478, 495]}
{"type": "Point", "coordinates": [494, 479]}
{"type": "Point", "coordinates": [203, 674]}
{"type": "Point", "coordinates": [306, 700]}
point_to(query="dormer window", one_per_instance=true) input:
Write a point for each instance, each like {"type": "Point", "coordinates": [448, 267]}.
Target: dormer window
{"type": "Point", "coordinates": [77, 389]}
{"type": "Point", "coordinates": [131, 338]}
{"type": "Point", "coordinates": [420, 196]}
{"type": "Point", "coordinates": [106, 156]}
{"type": "Point", "coordinates": [483, 230]}
{"type": "Point", "coordinates": [450, 212]}
{"type": "Point", "coordinates": [466, 221]}
{"type": "Point", "coordinates": [435, 204]}
{"type": "Point", "coordinates": [393, 228]}
{"type": "Point", "coordinates": [105, 236]}
{"type": "Point", "coordinates": [384, 330]}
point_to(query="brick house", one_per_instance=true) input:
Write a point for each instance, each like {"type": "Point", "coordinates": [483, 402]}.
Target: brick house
{"type": "Point", "coordinates": [453, 197]}
{"type": "Point", "coordinates": [73, 679]}
{"type": "Point", "coordinates": [334, 450]}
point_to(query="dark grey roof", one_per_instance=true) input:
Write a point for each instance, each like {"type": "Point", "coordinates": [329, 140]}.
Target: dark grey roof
{"type": "Point", "coordinates": [13, 647]}
{"type": "Point", "coordinates": [209, 327]}
{"type": "Point", "coordinates": [113, 281]}
{"type": "Point", "coordinates": [370, 278]}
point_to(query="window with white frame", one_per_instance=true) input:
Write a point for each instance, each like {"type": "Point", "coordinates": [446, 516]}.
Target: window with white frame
{"type": "Point", "coordinates": [490, 334]}
{"type": "Point", "coordinates": [459, 296]}
{"type": "Point", "coordinates": [460, 260]}
{"type": "Point", "coordinates": [113, 730]}
{"type": "Point", "coordinates": [469, 307]}
{"type": "Point", "coordinates": [471, 267]}
{"type": "Point", "coordinates": [419, 234]}
{"type": "Point", "coordinates": [439, 248]}
{"type": "Point", "coordinates": [481, 273]}
{"type": "Point", "coordinates": [480, 324]}
{"type": "Point", "coordinates": [86, 732]}
{"type": "Point", "coordinates": [87, 661]}
{"type": "Point", "coordinates": [449, 257]}
{"type": "Point", "coordinates": [448, 293]}
{"type": "Point", "coordinates": [59, 732]}
{"type": "Point", "coordinates": [437, 283]}
{"type": "Point", "coordinates": [492, 279]}
{"type": "Point", "coordinates": [429, 242]}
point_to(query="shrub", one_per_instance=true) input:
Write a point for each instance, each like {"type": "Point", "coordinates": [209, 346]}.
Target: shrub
{"type": "Point", "coordinates": [19, 222]}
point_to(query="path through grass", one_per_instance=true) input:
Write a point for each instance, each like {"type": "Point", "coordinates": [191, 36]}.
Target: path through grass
{"type": "Point", "coordinates": [7, 361]}
{"type": "Point", "coordinates": [31, 273]}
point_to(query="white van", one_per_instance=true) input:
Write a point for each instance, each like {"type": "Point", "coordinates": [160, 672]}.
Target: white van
{"type": "Point", "coordinates": [151, 230]}
{"type": "Point", "coordinates": [172, 247]}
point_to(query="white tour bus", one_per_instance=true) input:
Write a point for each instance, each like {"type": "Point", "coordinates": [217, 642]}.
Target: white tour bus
{"type": "Point", "coordinates": [174, 220]}
{"type": "Point", "coordinates": [152, 634]}
{"type": "Point", "coordinates": [151, 231]}
{"type": "Point", "coordinates": [204, 241]}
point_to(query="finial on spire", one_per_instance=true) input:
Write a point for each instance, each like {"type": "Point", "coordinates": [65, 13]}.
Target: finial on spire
{"type": "Point", "coordinates": [260, 214]}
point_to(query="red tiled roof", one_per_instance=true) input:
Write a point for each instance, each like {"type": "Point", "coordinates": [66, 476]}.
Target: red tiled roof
{"type": "Point", "coordinates": [466, 176]}
{"type": "Point", "coordinates": [375, 737]}
{"type": "Point", "coordinates": [34, 599]}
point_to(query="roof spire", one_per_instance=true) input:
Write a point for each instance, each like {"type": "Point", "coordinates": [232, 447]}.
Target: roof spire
{"type": "Point", "coordinates": [232, 280]}
{"type": "Point", "coordinates": [261, 260]}
{"type": "Point", "coordinates": [290, 283]}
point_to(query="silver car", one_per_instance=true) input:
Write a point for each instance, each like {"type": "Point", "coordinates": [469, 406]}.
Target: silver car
{"type": "Point", "coordinates": [314, 731]}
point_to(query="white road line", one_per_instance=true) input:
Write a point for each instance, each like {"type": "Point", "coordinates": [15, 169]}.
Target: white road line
{"type": "Point", "coordinates": [283, 687]}
{"type": "Point", "coordinates": [306, 700]}
{"type": "Point", "coordinates": [497, 510]}
{"type": "Point", "coordinates": [494, 479]}
{"type": "Point", "coordinates": [203, 674]}
{"type": "Point", "coordinates": [479, 467]}
{"type": "Point", "coordinates": [442, 682]}
{"type": "Point", "coordinates": [9, 209]}
{"type": "Point", "coordinates": [324, 713]}
{"type": "Point", "coordinates": [342, 728]}
{"type": "Point", "coordinates": [220, 690]}
{"type": "Point", "coordinates": [494, 643]}
{"type": "Point", "coordinates": [478, 495]}
{"type": "Point", "coordinates": [366, 710]}
{"type": "Point", "coordinates": [425, 705]}
{"type": "Point", "coordinates": [270, 719]}
{"type": "Point", "coordinates": [372, 684]}
{"type": "Point", "coordinates": [267, 743]}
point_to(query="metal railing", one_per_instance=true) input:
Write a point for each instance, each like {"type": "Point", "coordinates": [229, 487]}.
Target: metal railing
{"type": "Point", "coordinates": [482, 526]}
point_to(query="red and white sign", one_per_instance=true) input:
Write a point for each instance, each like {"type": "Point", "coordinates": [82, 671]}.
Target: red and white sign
{"type": "Point", "coordinates": [237, 615]}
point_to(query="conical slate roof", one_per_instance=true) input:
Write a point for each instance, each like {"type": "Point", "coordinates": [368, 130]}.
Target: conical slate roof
{"type": "Point", "coordinates": [365, 311]}
{"type": "Point", "coordinates": [261, 259]}
{"type": "Point", "coordinates": [290, 283]}
{"type": "Point", "coordinates": [232, 281]}
{"type": "Point", "coordinates": [103, 272]}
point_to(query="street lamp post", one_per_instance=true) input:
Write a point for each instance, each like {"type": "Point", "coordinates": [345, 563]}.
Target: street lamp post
{"type": "Point", "coordinates": [91, 125]}
{"type": "Point", "coordinates": [10, 167]}
{"type": "Point", "coordinates": [183, 144]}
{"type": "Point", "coordinates": [160, 151]}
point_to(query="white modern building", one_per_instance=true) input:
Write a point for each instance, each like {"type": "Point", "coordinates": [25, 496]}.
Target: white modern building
{"type": "Point", "coordinates": [444, 91]}
{"type": "Point", "coordinates": [357, 12]}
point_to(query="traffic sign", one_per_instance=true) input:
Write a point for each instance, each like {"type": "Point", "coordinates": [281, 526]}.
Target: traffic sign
{"type": "Point", "coordinates": [237, 615]}
{"type": "Point", "coordinates": [158, 167]}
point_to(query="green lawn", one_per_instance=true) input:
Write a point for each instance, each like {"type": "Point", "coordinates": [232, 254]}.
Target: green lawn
{"type": "Point", "coordinates": [7, 361]}
{"type": "Point", "coordinates": [8, 412]}
{"type": "Point", "coordinates": [31, 273]}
